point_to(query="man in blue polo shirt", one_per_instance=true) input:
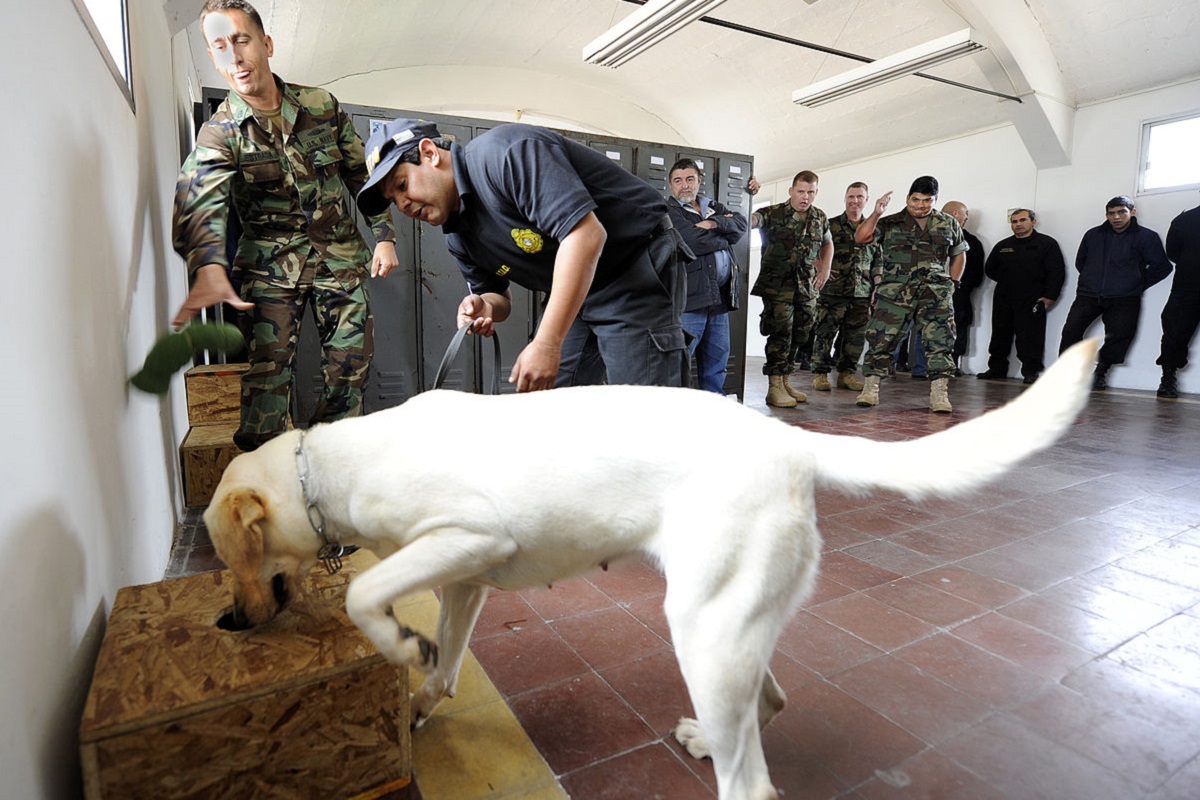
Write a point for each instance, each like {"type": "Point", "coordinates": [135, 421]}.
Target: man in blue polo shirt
{"type": "Point", "coordinates": [527, 205]}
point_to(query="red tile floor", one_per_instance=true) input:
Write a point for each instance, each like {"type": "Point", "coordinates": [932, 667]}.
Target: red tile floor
{"type": "Point", "coordinates": [1040, 639]}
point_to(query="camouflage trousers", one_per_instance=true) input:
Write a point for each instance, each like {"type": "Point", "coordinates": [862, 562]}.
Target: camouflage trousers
{"type": "Point", "coordinates": [786, 322]}
{"type": "Point", "coordinates": [928, 306]}
{"type": "Point", "coordinates": [844, 317]}
{"type": "Point", "coordinates": [345, 328]}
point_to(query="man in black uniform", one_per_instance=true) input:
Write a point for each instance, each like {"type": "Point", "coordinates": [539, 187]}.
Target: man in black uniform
{"type": "Point", "coordinates": [1029, 271]}
{"type": "Point", "coordinates": [524, 204]}
{"type": "Point", "coordinates": [1181, 314]}
{"type": "Point", "coordinates": [972, 278]}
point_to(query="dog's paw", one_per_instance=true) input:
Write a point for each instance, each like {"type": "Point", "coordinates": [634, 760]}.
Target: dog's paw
{"type": "Point", "coordinates": [688, 733]}
{"type": "Point", "coordinates": [422, 703]}
{"type": "Point", "coordinates": [416, 650]}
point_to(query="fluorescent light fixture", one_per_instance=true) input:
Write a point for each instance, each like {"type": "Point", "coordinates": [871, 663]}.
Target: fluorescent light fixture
{"type": "Point", "coordinates": [906, 62]}
{"type": "Point", "coordinates": [644, 28]}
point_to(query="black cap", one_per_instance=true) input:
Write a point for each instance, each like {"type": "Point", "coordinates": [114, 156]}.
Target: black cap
{"type": "Point", "coordinates": [385, 147]}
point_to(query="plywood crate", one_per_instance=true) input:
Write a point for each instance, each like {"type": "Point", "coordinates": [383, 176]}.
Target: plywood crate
{"type": "Point", "coordinates": [214, 393]}
{"type": "Point", "coordinates": [301, 707]}
{"type": "Point", "coordinates": [205, 453]}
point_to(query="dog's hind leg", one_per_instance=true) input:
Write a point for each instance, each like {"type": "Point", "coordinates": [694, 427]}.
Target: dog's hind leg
{"type": "Point", "coordinates": [461, 604]}
{"type": "Point", "coordinates": [723, 654]}
{"type": "Point", "coordinates": [727, 724]}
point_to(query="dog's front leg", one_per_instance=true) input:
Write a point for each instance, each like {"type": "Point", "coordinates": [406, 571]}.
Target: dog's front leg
{"type": "Point", "coordinates": [461, 604]}
{"type": "Point", "coordinates": [442, 557]}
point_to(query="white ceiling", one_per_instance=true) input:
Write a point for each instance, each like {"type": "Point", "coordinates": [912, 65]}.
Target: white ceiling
{"type": "Point", "coordinates": [714, 88]}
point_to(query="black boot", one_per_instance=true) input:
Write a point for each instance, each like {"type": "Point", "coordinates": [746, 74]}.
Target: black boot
{"type": "Point", "coordinates": [1100, 377]}
{"type": "Point", "coordinates": [1167, 388]}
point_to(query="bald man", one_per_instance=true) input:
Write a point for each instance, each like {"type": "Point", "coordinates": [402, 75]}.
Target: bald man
{"type": "Point", "coordinates": [972, 279]}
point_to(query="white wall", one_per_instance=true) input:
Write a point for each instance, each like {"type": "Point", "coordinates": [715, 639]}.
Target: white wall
{"type": "Point", "coordinates": [90, 492]}
{"type": "Point", "coordinates": [992, 172]}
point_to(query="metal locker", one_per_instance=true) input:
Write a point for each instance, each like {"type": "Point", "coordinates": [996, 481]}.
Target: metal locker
{"type": "Point", "coordinates": [651, 164]}
{"type": "Point", "coordinates": [620, 153]}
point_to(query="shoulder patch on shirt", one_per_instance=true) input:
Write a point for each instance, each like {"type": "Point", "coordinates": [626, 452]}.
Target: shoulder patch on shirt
{"type": "Point", "coordinates": [527, 240]}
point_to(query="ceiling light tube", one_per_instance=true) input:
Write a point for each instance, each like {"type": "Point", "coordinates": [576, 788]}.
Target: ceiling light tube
{"type": "Point", "coordinates": [650, 24]}
{"type": "Point", "coordinates": [897, 65]}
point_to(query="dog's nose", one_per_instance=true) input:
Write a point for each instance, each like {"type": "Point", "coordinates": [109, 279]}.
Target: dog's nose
{"type": "Point", "coordinates": [233, 620]}
{"type": "Point", "coordinates": [280, 590]}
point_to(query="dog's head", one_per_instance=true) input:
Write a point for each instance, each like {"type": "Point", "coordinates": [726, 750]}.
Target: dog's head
{"type": "Point", "coordinates": [251, 523]}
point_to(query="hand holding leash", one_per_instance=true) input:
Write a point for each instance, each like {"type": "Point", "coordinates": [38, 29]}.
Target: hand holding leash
{"type": "Point", "coordinates": [475, 313]}
{"type": "Point", "coordinates": [452, 353]}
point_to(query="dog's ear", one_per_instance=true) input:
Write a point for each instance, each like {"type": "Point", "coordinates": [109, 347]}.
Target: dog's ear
{"type": "Point", "coordinates": [239, 542]}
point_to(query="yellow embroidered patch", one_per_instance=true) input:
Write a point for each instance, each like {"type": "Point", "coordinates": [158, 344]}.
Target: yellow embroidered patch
{"type": "Point", "coordinates": [504, 269]}
{"type": "Point", "coordinates": [527, 240]}
{"type": "Point", "coordinates": [372, 160]}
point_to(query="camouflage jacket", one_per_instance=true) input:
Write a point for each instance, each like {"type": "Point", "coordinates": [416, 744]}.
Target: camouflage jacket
{"type": "Point", "coordinates": [852, 262]}
{"type": "Point", "coordinates": [791, 242]}
{"type": "Point", "coordinates": [290, 193]}
{"type": "Point", "coordinates": [910, 251]}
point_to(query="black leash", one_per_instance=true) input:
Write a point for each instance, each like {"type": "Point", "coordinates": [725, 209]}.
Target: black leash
{"type": "Point", "coordinates": [452, 353]}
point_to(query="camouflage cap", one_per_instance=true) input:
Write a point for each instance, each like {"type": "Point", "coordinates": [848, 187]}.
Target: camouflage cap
{"type": "Point", "coordinates": [385, 147]}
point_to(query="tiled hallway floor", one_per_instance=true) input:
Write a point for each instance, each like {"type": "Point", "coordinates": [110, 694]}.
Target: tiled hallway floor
{"type": "Point", "coordinates": [1040, 639]}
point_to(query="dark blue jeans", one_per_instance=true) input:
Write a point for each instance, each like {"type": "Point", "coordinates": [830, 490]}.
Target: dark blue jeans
{"type": "Point", "coordinates": [710, 346]}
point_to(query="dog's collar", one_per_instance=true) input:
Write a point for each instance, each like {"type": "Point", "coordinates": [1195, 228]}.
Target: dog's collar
{"type": "Point", "coordinates": [330, 553]}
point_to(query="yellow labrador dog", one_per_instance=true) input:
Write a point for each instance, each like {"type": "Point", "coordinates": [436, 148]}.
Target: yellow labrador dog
{"type": "Point", "coordinates": [581, 477]}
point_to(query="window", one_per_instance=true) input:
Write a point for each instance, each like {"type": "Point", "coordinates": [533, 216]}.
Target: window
{"type": "Point", "coordinates": [107, 21]}
{"type": "Point", "coordinates": [1170, 159]}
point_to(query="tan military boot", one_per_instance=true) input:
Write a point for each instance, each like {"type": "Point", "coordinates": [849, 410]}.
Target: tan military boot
{"type": "Point", "coordinates": [821, 382]}
{"type": "Point", "coordinates": [939, 399]}
{"type": "Point", "coordinates": [793, 391]}
{"type": "Point", "coordinates": [848, 380]}
{"type": "Point", "coordinates": [777, 395]}
{"type": "Point", "coordinates": [870, 393]}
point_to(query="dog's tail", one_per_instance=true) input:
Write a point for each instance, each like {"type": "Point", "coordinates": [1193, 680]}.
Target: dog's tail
{"type": "Point", "coordinates": [971, 453]}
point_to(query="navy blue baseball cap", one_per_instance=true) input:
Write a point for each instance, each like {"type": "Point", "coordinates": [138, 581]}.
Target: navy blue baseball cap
{"type": "Point", "coordinates": [385, 147]}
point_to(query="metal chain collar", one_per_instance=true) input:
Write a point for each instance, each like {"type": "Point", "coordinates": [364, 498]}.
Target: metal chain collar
{"type": "Point", "coordinates": [330, 553]}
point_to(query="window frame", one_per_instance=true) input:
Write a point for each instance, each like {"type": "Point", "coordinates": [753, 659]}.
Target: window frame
{"type": "Point", "coordinates": [1144, 153]}
{"type": "Point", "coordinates": [124, 80]}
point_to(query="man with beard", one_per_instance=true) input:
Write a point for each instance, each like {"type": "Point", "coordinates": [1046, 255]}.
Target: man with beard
{"type": "Point", "coordinates": [923, 256]}
{"type": "Point", "coordinates": [710, 230]}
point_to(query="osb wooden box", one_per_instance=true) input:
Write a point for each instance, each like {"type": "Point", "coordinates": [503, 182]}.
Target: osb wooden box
{"type": "Point", "coordinates": [214, 393]}
{"type": "Point", "coordinates": [205, 453]}
{"type": "Point", "coordinates": [302, 707]}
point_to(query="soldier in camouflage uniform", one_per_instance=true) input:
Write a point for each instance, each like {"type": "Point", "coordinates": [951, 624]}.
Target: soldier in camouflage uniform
{"type": "Point", "coordinates": [844, 306]}
{"type": "Point", "coordinates": [923, 256]}
{"type": "Point", "coordinates": [797, 251]}
{"type": "Point", "coordinates": [284, 156]}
